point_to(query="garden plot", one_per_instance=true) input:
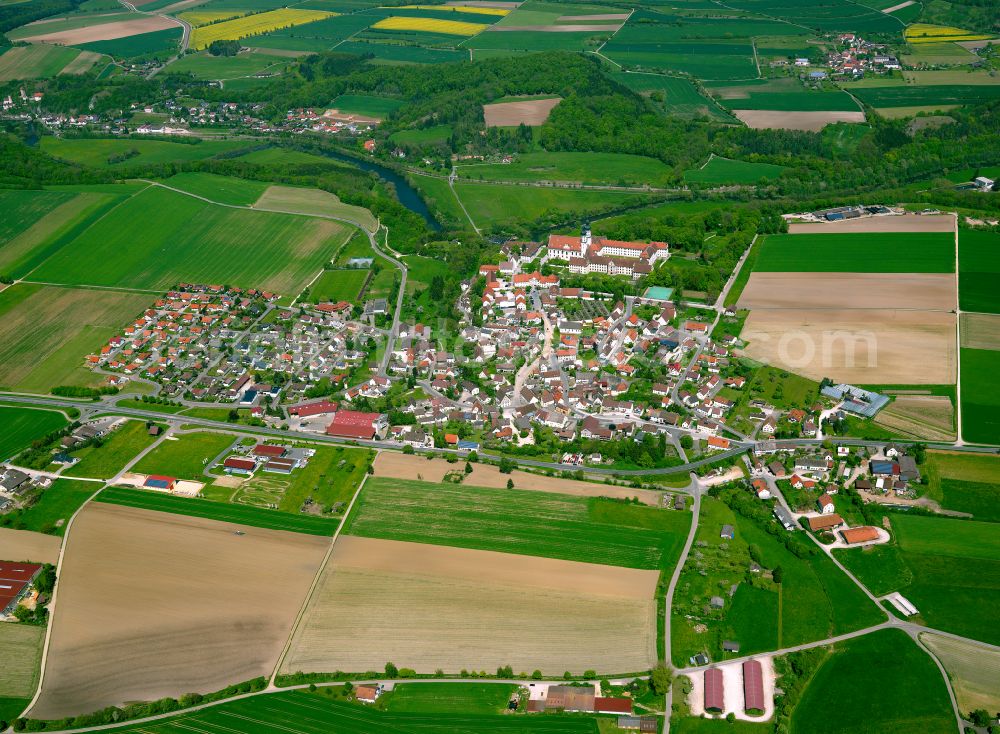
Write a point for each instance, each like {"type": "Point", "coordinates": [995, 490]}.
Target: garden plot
{"type": "Point", "coordinates": [188, 605]}
{"type": "Point", "coordinates": [426, 607]}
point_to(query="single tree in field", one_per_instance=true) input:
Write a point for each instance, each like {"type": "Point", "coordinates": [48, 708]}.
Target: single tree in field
{"type": "Point", "coordinates": [510, 484]}
{"type": "Point", "coordinates": [659, 679]}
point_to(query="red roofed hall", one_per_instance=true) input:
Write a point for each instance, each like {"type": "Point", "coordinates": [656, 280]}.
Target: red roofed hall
{"type": "Point", "coordinates": [307, 410]}
{"type": "Point", "coordinates": [236, 465]}
{"type": "Point", "coordinates": [753, 687]}
{"type": "Point", "coordinates": [271, 452]}
{"type": "Point", "coordinates": [14, 579]}
{"type": "Point", "coordinates": [864, 534]}
{"type": "Point", "coordinates": [715, 699]}
{"type": "Point", "coordinates": [354, 424]}
{"type": "Point", "coordinates": [612, 705]}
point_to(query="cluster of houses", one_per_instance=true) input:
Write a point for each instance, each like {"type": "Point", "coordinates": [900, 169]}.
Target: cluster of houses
{"type": "Point", "coordinates": [327, 121]}
{"type": "Point", "coordinates": [14, 484]}
{"type": "Point", "coordinates": [856, 57]}
{"type": "Point", "coordinates": [268, 458]}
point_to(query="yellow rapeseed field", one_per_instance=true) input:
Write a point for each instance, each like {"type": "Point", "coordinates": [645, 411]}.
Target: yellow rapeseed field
{"type": "Point", "coordinates": [461, 9]}
{"type": "Point", "coordinates": [927, 33]}
{"type": "Point", "coordinates": [254, 25]}
{"type": "Point", "coordinates": [204, 17]}
{"type": "Point", "coordinates": [430, 25]}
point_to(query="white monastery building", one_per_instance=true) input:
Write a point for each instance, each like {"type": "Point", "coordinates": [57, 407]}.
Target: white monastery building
{"type": "Point", "coordinates": [589, 254]}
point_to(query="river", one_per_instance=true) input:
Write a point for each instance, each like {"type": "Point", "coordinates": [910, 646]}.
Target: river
{"type": "Point", "coordinates": [406, 194]}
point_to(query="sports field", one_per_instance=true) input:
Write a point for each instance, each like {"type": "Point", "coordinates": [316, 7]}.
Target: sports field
{"type": "Point", "coordinates": [727, 171]}
{"type": "Point", "coordinates": [21, 426]}
{"type": "Point", "coordinates": [160, 237]}
{"type": "Point", "coordinates": [426, 607]}
{"type": "Point", "coordinates": [978, 270]}
{"type": "Point", "coordinates": [196, 607]}
{"type": "Point", "coordinates": [21, 651]}
{"type": "Point", "coordinates": [301, 712]}
{"type": "Point", "coordinates": [948, 568]}
{"type": "Point", "coordinates": [118, 449]}
{"type": "Point", "coordinates": [893, 688]}
{"type": "Point", "coordinates": [46, 331]}
{"type": "Point", "coordinates": [892, 252]}
{"type": "Point", "coordinates": [522, 522]}
{"type": "Point", "coordinates": [254, 25]}
{"type": "Point", "coordinates": [238, 514]}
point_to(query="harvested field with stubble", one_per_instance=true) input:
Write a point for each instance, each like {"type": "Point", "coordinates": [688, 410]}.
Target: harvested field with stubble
{"type": "Point", "coordinates": [901, 223]}
{"type": "Point", "coordinates": [981, 331]}
{"type": "Point", "coordinates": [921, 291]}
{"type": "Point", "coordinates": [974, 671]}
{"type": "Point", "coordinates": [394, 465]}
{"type": "Point", "coordinates": [314, 202]}
{"type": "Point", "coordinates": [865, 346]}
{"type": "Point", "coordinates": [426, 607]}
{"type": "Point", "coordinates": [25, 545]}
{"type": "Point", "coordinates": [105, 31]}
{"type": "Point", "coordinates": [511, 114]}
{"type": "Point", "coordinates": [783, 120]}
{"type": "Point", "coordinates": [21, 652]}
{"type": "Point", "coordinates": [927, 417]}
{"type": "Point", "coordinates": [154, 604]}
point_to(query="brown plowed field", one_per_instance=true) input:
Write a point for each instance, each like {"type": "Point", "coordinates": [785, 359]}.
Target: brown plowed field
{"type": "Point", "coordinates": [427, 607]}
{"type": "Point", "coordinates": [810, 121]}
{"type": "Point", "coordinates": [394, 465]}
{"type": "Point", "coordinates": [106, 31]}
{"type": "Point", "coordinates": [981, 331]}
{"type": "Point", "coordinates": [512, 114]}
{"type": "Point", "coordinates": [873, 346]}
{"type": "Point", "coordinates": [901, 223]}
{"type": "Point", "coordinates": [153, 604]}
{"type": "Point", "coordinates": [24, 545]}
{"type": "Point", "coordinates": [924, 291]}
{"type": "Point", "coordinates": [929, 417]}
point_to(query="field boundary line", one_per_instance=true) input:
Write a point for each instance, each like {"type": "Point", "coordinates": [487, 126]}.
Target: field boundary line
{"type": "Point", "coordinates": [320, 573]}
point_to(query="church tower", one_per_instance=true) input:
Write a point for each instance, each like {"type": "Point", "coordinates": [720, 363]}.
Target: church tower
{"type": "Point", "coordinates": [585, 238]}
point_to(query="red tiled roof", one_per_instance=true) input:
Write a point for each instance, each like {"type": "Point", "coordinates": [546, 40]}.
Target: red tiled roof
{"type": "Point", "coordinates": [753, 686]}
{"type": "Point", "coordinates": [715, 699]}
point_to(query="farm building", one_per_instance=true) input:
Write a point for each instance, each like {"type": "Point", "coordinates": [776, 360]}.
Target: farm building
{"type": "Point", "coordinates": [753, 687]}
{"type": "Point", "coordinates": [368, 694]}
{"type": "Point", "coordinates": [825, 503]}
{"type": "Point", "coordinates": [715, 699]}
{"type": "Point", "coordinates": [784, 517]}
{"type": "Point", "coordinates": [638, 723]}
{"type": "Point", "coordinates": [308, 410]}
{"type": "Point", "coordinates": [825, 522]}
{"type": "Point", "coordinates": [280, 465]}
{"type": "Point", "coordinates": [570, 698]}
{"type": "Point", "coordinates": [14, 580]}
{"type": "Point", "coordinates": [603, 705]}
{"type": "Point", "coordinates": [354, 424]}
{"type": "Point", "coordinates": [236, 465]}
{"type": "Point", "coordinates": [268, 452]}
{"type": "Point", "coordinates": [157, 481]}
{"type": "Point", "coordinates": [863, 534]}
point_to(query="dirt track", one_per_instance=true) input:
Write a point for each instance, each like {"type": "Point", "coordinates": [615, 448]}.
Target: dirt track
{"type": "Point", "coordinates": [428, 607]}
{"type": "Point", "coordinates": [512, 114]}
{"type": "Point", "coordinates": [153, 604]}
{"type": "Point", "coordinates": [925, 291]}
{"type": "Point", "coordinates": [106, 31]}
{"type": "Point", "coordinates": [810, 121]}
{"type": "Point", "coordinates": [395, 465]}
{"type": "Point", "coordinates": [873, 346]}
{"type": "Point", "coordinates": [24, 545]}
{"type": "Point", "coordinates": [901, 223]}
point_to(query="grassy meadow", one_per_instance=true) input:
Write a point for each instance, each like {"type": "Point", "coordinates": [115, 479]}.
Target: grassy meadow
{"type": "Point", "coordinates": [965, 482]}
{"type": "Point", "coordinates": [99, 152]}
{"type": "Point", "coordinates": [185, 457]}
{"type": "Point", "coordinates": [587, 168]}
{"type": "Point", "coordinates": [21, 651]}
{"type": "Point", "coordinates": [910, 252]}
{"type": "Point", "coordinates": [56, 506]}
{"type": "Point", "coordinates": [980, 400]}
{"type": "Point", "coordinates": [725, 171]}
{"type": "Point", "coordinates": [221, 189]}
{"type": "Point", "coordinates": [526, 523]}
{"type": "Point", "coordinates": [338, 285]}
{"type": "Point", "coordinates": [21, 426]}
{"type": "Point", "coordinates": [978, 270]}
{"type": "Point", "coordinates": [103, 462]}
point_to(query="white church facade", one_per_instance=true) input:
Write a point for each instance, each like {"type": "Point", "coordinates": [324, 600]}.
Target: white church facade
{"type": "Point", "coordinates": [588, 254]}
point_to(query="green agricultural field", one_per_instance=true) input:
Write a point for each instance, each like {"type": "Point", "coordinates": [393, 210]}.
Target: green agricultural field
{"type": "Point", "coordinates": [841, 138]}
{"type": "Point", "coordinates": [965, 482]}
{"type": "Point", "coordinates": [21, 426]}
{"type": "Point", "coordinates": [56, 506]}
{"type": "Point", "coordinates": [160, 237]}
{"type": "Point", "coordinates": [704, 60]}
{"type": "Point", "coordinates": [512, 42]}
{"type": "Point", "coordinates": [21, 651]}
{"type": "Point", "coordinates": [187, 457]}
{"type": "Point", "coordinates": [726, 171]}
{"type": "Point", "coordinates": [397, 54]}
{"type": "Point", "coordinates": [320, 35]}
{"type": "Point", "coordinates": [284, 156]}
{"type": "Point", "coordinates": [422, 136]}
{"type": "Point", "coordinates": [65, 23]}
{"type": "Point", "coordinates": [978, 270]}
{"type": "Point", "coordinates": [221, 189]}
{"type": "Point", "coordinates": [814, 600]}
{"type": "Point", "coordinates": [792, 99]}
{"type": "Point", "coordinates": [301, 712]}
{"type": "Point", "coordinates": [221, 511]}
{"type": "Point", "coordinates": [47, 331]}
{"type": "Point", "coordinates": [38, 61]}
{"type": "Point", "coordinates": [948, 568]}
{"type": "Point", "coordinates": [586, 168]}
{"type": "Point", "coordinates": [892, 686]}
{"type": "Point", "coordinates": [339, 285]}
{"type": "Point", "coordinates": [892, 252]}
{"type": "Point", "coordinates": [432, 698]}
{"type": "Point", "coordinates": [980, 399]}
{"type": "Point", "coordinates": [360, 104]}
{"type": "Point", "coordinates": [523, 522]}
{"type": "Point", "coordinates": [141, 44]}
{"type": "Point", "coordinates": [104, 462]}
{"type": "Point", "coordinates": [97, 152]}
{"type": "Point", "coordinates": [938, 95]}
{"type": "Point", "coordinates": [205, 66]}
{"type": "Point", "coordinates": [673, 95]}
{"type": "Point", "coordinates": [36, 230]}
{"type": "Point", "coordinates": [440, 199]}
{"type": "Point", "coordinates": [493, 204]}
{"type": "Point", "coordinates": [743, 277]}
{"type": "Point", "coordinates": [12, 706]}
